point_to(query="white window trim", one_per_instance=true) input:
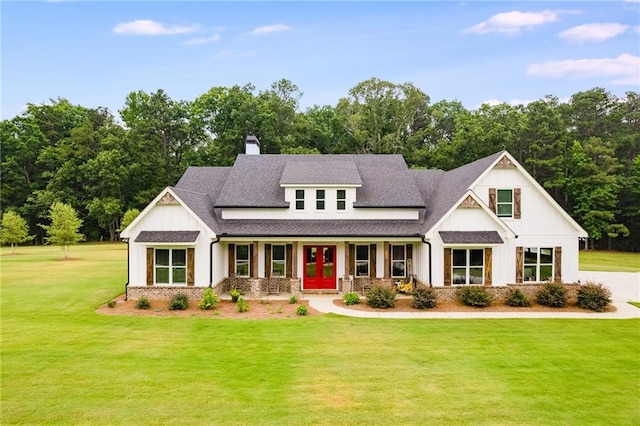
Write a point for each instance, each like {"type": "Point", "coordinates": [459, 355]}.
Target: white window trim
{"type": "Point", "coordinates": [299, 199]}
{"type": "Point", "coordinates": [341, 200]}
{"type": "Point", "coordinates": [361, 262]}
{"type": "Point", "coordinates": [322, 200]}
{"type": "Point", "coordinates": [283, 261]}
{"type": "Point", "coordinates": [170, 267]}
{"type": "Point", "coordinates": [498, 203]}
{"type": "Point", "coordinates": [538, 264]}
{"type": "Point", "coordinates": [403, 260]}
{"type": "Point", "coordinates": [467, 266]}
{"type": "Point", "coordinates": [248, 261]}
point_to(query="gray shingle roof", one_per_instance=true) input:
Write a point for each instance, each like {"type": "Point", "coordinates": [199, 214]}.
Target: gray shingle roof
{"type": "Point", "coordinates": [254, 181]}
{"type": "Point", "coordinates": [470, 237]}
{"type": "Point", "coordinates": [320, 228]}
{"type": "Point", "coordinates": [322, 173]}
{"type": "Point", "coordinates": [167, 236]}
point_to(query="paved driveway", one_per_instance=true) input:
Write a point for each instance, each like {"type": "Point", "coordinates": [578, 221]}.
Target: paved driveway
{"type": "Point", "coordinates": [625, 286]}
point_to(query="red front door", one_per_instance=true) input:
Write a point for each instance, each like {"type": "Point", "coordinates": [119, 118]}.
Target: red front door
{"type": "Point", "coordinates": [319, 267]}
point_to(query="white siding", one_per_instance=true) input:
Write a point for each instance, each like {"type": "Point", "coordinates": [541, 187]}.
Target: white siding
{"type": "Point", "coordinates": [540, 225]}
{"type": "Point", "coordinates": [168, 218]}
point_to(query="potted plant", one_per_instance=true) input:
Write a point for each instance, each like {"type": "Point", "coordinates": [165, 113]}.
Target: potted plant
{"type": "Point", "coordinates": [235, 294]}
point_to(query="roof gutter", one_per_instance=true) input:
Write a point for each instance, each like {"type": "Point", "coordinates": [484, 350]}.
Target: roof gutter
{"type": "Point", "coordinates": [126, 285]}
{"type": "Point", "coordinates": [430, 258]}
{"type": "Point", "coordinates": [211, 259]}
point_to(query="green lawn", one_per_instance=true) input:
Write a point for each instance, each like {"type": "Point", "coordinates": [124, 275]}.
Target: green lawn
{"type": "Point", "coordinates": [64, 364]}
{"type": "Point", "coordinates": [610, 261]}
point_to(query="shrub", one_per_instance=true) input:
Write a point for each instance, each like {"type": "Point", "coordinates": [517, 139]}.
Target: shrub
{"type": "Point", "coordinates": [381, 297]}
{"type": "Point", "coordinates": [351, 298]}
{"type": "Point", "coordinates": [424, 298]}
{"type": "Point", "coordinates": [474, 295]}
{"type": "Point", "coordinates": [209, 299]}
{"type": "Point", "coordinates": [235, 294]}
{"type": "Point", "coordinates": [111, 303]}
{"type": "Point", "coordinates": [302, 310]}
{"type": "Point", "coordinates": [293, 300]}
{"type": "Point", "coordinates": [594, 296]}
{"type": "Point", "coordinates": [243, 305]}
{"type": "Point", "coordinates": [143, 303]}
{"type": "Point", "coordinates": [553, 295]}
{"type": "Point", "coordinates": [515, 297]}
{"type": "Point", "coordinates": [179, 302]}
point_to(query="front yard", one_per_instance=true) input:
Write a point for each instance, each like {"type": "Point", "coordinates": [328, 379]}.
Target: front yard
{"type": "Point", "coordinates": [62, 363]}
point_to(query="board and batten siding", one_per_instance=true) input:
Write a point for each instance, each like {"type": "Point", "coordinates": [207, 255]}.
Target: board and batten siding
{"type": "Point", "coordinates": [168, 218]}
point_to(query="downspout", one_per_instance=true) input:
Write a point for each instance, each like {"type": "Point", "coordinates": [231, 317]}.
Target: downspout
{"type": "Point", "coordinates": [429, 244]}
{"type": "Point", "coordinates": [211, 260]}
{"type": "Point", "coordinates": [126, 285]}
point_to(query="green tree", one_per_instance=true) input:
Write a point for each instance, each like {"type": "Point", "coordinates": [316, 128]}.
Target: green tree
{"type": "Point", "coordinates": [128, 217]}
{"type": "Point", "coordinates": [63, 230]}
{"type": "Point", "coordinates": [14, 230]}
{"type": "Point", "coordinates": [594, 187]}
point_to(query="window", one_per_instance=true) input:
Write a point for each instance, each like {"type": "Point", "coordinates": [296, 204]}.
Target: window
{"type": "Point", "coordinates": [342, 196]}
{"type": "Point", "coordinates": [242, 260]}
{"type": "Point", "coordinates": [299, 199]}
{"type": "Point", "coordinates": [320, 199]}
{"type": "Point", "coordinates": [171, 266]}
{"type": "Point", "coordinates": [278, 261]}
{"type": "Point", "coordinates": [505, 203]}
{"type": "Point", "coordinates": [468, 266]}
{"type": "Point", "coordinates": [398, 261]}
{"type": "Point", "coordinates": [362, 261]}
{"type": "Point", "coordinates": [538, 264]}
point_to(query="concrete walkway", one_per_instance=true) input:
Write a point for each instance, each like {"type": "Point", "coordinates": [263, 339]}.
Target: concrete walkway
{"type": "Point", "coordinates": [624, 286]}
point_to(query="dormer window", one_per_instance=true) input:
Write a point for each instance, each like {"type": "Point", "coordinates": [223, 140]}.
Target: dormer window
{"type": "Point", "coordinates": [341, 199]}
{"type": "Point", "coordinates": [320, 199]}
{"type": "Point", "coordinates": [299, 199]}
{"type": "Point", "coordinates": [505, 203]}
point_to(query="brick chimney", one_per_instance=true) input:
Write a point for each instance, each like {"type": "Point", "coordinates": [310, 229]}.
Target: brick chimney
{"type": "Point", "coordinates": [252, 145]}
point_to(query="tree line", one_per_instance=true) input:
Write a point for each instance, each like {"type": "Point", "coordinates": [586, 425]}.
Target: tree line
{"type": "Point", "coordinates": [585, 151]}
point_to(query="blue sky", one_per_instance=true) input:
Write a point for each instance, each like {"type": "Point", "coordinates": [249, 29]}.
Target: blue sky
{"type": "Point", "coordinates": [95, 53]}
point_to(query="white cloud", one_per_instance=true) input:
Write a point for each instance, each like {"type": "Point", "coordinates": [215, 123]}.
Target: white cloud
{"type": "Point", "coordinates": [625, 69]}
{"type": "Point", "coordinates": [513, 22]}
{"type": "Point", "coordinates": [203, 40]}
{"type": "Point", "coordinates": [234, 54]}
{"type": "Point", "coordinates": [637, 28]}
{"type": "Point", "coordinates": [148, 27]}
{"type": "Point", "coordinates": [593, 32]}
{"type": "Point", "coordinates": [268, 29]}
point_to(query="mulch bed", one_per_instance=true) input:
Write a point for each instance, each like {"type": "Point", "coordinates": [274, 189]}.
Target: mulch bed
{"type": "Point", "coordinates": [280, 309]}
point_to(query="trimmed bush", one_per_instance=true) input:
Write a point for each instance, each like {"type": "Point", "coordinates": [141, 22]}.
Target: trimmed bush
{"type": "Point", "coordinates": [594, 296]}
{"type": "Point", "coordinates": [235, 294]}
{"type": "Point", "coordinates": [111, 303]}
{"type": "Point", "coordinates": [424, 298]}
{"type": "Point", "coordinates": [474, 295]}
{"type": "Point", "coordinates": [553, 295]}
{"type": "Point", "coordinates": [209, 299]}
{"type": "Point", "coordinates": [516, 297]}
{"type": "Point", "coordinates": [381, 297]}
{"type": "Point", "coordinates": [302, 310]}
{"type": "Point", "coordinates": [179, 302]}
{"type": "Point", "coordinates": [293, 300]}
{"type": "Point", "coordinates": [351, 298]}
{"type": "Point", "coordinates": [243, 305]}
{"type": "Point", "coordinates": [143, 303]}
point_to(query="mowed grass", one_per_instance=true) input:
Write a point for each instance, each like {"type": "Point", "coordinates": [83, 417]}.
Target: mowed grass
{"type": "Point", "coordinates": [609, 261]}
{"type": "Point", "coordinates": [64, 364]}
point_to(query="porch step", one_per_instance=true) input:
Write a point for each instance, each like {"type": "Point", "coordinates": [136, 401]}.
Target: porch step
{"type": "Point", "coordinates": [319, 291]}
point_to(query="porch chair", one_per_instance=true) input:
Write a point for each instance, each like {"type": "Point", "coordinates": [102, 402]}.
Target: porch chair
{"type": "Point", "coordinates": [365, 285]}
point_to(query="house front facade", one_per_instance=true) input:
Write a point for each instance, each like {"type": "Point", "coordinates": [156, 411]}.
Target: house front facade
{"type": "Point", "coordinates": [337, 223]}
